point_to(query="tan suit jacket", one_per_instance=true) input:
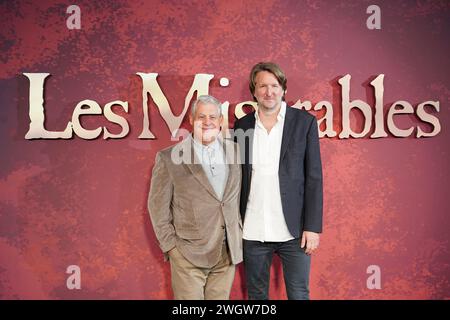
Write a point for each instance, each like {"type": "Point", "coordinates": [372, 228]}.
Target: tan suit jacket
{"type": "Point", "coordinates": [185, 210]}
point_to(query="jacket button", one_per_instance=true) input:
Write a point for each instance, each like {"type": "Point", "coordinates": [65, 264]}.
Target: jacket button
{"type": "Point", "coordinates": [223, 227]}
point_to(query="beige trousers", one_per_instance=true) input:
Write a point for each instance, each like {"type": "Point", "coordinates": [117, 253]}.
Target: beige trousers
{"type": "Point", "coordinates": [193, 283]}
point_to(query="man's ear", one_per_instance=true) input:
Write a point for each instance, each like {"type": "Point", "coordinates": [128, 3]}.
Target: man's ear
{"type": "Point", "coordinates": [191, 120]}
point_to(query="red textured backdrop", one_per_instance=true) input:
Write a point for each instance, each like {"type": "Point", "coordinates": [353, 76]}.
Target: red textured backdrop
{"type": "Point", "coordinates": [80, 202]}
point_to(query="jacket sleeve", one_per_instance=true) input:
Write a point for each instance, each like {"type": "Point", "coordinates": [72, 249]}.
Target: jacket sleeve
{"type": "Point", "coordinates": [313, 201]}
{"type": "Point", "coordinates": [159, 204]}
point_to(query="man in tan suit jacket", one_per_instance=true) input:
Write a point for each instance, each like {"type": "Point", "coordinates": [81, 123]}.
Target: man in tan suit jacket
{"type": "Point", "coordinates": [194, 207]}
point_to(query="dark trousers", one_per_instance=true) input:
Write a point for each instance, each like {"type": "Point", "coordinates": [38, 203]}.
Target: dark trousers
{"type": "Point", "coordinates": [296, 266]}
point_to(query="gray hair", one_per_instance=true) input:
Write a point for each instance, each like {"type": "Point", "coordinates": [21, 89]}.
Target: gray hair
{"type": "Point", "coordinates": [206, 99]}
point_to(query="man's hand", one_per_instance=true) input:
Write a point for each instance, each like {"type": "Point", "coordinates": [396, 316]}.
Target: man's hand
{"type": "Point", "coordinates": [310, 240]}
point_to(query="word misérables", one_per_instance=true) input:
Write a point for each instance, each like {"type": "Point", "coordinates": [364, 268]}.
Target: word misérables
{"type": "Point", "coordinates": [200, 86]}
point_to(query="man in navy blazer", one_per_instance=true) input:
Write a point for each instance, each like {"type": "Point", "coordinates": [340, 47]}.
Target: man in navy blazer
{"type": "Point", "coordinates": [281, 195]}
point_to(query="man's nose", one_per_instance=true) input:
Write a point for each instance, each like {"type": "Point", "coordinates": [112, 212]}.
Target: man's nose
{"type": "Point", "coordinates": [207, 121]}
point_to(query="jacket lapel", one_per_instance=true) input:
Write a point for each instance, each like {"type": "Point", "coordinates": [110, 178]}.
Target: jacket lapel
{"type": "Point", "coordinates": [196, 168]}
{"type": "Point", "coordinates": [231, 160]}
{"type": "Point", "coordinates": [287, 131]}
{"type": "Point", "coordinates": [248, 144]}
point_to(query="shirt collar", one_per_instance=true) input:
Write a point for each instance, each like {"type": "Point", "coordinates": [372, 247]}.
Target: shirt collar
{"type": "Point", "coordinates": [215, 145]}
{"type": "Point", "coordinates": [280, 116]}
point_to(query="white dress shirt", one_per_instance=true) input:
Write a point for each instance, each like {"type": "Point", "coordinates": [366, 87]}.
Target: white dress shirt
{"type": "Point", "coordinates": [264, 218]}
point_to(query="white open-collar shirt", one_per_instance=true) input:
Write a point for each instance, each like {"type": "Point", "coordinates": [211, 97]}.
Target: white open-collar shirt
{"type": "Point", "coordinates": [264, 219]}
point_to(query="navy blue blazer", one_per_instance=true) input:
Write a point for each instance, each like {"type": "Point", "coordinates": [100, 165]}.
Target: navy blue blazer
{"type": "Point", "coordinates": [300, 170]}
